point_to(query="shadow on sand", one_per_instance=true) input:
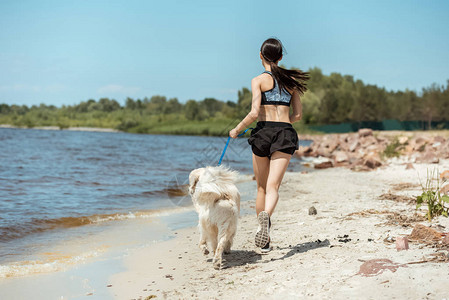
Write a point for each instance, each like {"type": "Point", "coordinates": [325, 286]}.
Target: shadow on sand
{"type": "Point", "coordinates": [301, 248]}
{"type": "Point", "coordinates": [245, 257]}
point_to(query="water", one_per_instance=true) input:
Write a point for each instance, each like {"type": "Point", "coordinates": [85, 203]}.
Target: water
{"type": "Point", "coordinates": [60, 185]}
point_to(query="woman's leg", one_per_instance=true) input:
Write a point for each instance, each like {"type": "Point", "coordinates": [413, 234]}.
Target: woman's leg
{"type": "Point", "coordinates": [278, 165]}
{"type": "Point", "coordinates": [261, 166]}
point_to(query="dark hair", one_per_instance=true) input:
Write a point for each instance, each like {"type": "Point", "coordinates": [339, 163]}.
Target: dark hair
{"type": "Point", "coordinates": [292, 79]}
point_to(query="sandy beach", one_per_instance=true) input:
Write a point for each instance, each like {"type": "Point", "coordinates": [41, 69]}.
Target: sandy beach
{"type": "Point", "coordinates": [346, 250]}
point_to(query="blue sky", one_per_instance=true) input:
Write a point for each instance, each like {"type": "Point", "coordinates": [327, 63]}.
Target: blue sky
{"type": "Point", "coordinates": [64, 52]}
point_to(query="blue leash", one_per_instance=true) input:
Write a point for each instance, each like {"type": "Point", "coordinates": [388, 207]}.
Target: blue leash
{"type": "Point", "coordinates": [227, 143]}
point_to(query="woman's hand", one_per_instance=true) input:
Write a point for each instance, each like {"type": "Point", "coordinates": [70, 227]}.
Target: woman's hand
{"type": "Point", "coordinates": [233, 133]}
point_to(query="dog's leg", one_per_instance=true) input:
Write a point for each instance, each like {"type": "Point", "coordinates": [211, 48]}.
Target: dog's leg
{"type": "Point", "coordinates": [203, 241]}
{"type": "Point", "coordinates": [213, 238]}
{"type": "Point", "coordinates": [228, 243]}
{"type": "Point", "coordinates": [218, 253]}
{"type": "Point", "coordinates": [203, 245]}
{"type": "Point", "coordinates": [223, 239]}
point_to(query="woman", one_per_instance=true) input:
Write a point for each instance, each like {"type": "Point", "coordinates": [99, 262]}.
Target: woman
{"type": "Point", "coordinates": [274, 140]}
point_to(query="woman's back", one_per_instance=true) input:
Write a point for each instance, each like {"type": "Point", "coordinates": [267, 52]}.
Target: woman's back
{"type": "Point", "coordinates": [275, 105]}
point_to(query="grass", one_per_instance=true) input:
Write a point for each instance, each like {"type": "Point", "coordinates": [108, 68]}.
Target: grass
{"type": "Point", "coordinates": [437, 204]}
{"type": "Point", "coordinates": [393, 149]}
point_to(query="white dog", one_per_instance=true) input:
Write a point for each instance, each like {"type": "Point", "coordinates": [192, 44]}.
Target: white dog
{"type": "Point", "coordinates": [217, 201]}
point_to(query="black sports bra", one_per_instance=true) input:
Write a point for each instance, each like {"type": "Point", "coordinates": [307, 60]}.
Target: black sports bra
{"type": "Point", "coordinates": [273, 97]}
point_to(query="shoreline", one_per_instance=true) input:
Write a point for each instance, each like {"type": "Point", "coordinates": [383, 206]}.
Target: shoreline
{"type": "Point", "coordinates": [316, 256]}
{"type": "Point", "coordinates": [97, 255]}
{"type": "Point", "coordinates": [89, 129]}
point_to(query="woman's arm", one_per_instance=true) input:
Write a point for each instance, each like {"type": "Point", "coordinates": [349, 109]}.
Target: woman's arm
{"type": "Point", "coordinates": [255, 108]}
{"type": "Point", "coordinates": [297, 107]}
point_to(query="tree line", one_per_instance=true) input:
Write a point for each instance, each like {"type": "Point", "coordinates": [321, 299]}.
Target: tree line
{"type": "Point", "coordinates": [339, 98]}
{"type": "Point", "coordinates": [331, 99]}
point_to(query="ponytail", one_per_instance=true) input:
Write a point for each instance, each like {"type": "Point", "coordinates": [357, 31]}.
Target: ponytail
{"type": "Point", "coordinates": [291, 79]}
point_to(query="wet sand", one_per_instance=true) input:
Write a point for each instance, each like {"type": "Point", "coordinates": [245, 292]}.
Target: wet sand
{"type": "Point", "coordinates": [322, 256]}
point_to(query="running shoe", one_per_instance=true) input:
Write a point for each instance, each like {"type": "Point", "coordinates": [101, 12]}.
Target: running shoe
{"type": "Point", "coordinates": [266, 248]}
{"type": "Point", "coordinates": [263, 231]}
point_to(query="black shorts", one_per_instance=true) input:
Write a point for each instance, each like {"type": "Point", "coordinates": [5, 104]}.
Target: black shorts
{"type": "Point", "coordinates": [269, 136]}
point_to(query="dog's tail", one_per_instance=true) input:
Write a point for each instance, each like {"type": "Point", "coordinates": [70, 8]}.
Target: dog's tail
{"type": "Point", "coordinates": [223, 173]}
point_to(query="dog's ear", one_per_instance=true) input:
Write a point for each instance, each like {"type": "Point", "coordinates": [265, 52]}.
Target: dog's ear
{"type": "Point", "coordinates": [193, 179]}
{"type": "Point", "coordinates": [210, 187]}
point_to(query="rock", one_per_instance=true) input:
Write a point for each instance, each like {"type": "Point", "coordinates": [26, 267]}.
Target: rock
{"type": "Point", "coordinates": [445, 190]}
{"type": "Point", "coordinates": [373, 148]}
{"type": "Point", "coordinates": [401, 243]}
{"type": "Point", "coordinates": [312, 211]}
{"type": "Point", "coordinates": [423, 233]}
{"type": "Point", "coordinates": [445, 175]}
{"type": "Point", "coordinates": [443, 151]}
{"type": "Point", "coordinates": [421, 140]}
{"type": "Point", "coordinates": [402, 140]}
{"type": "Point", "coordinates": [367, 141]}
{"type": "Point", "coordinates": [372, 161]}
{"type": "Point", "coordinates": [365, 132]}
{"type": "Point", "coordinates": [439, 139]}
{"type": "Point", "coordinates": [324, 165]}
{"type": "Point", "coordinates": [353, 145]}
{"type": "Point", "coordinates": [428, 157]}
{"type": "Point", "coordinates": [323, 151]}
{"type": "Point", "coordinates": [340, 156]}
{"type": "Point", "coordinates": [333, 144]}
{"type": "Point", "coordinates": [420, 144]}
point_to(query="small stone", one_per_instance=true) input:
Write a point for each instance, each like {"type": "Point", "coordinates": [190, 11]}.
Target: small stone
{"type": "Point", "coordinates": [401, 243]}
{"type": "Point", "coordinates": [409, 166]}
{"type": "Point", "coordinates": [312, 211]}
